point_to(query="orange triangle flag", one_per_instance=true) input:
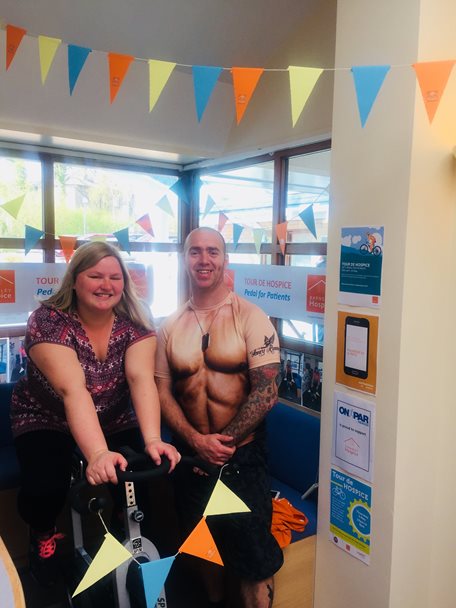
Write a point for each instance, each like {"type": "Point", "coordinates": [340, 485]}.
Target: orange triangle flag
{"type": "Point", "coordinates": [281, 231]}
{"type": "Point", "coordinates": [201, 544]}
{"type": "Point", "coordinates": [68, 243]}
{"type": "Point", "coordinates": [14, 37]}
{"type": "Point", "coordinates": [245, 81]}
{"type": "Point", "coordinates": [433, 77]}
{"type": "Point", "coordinates": [118, 67]}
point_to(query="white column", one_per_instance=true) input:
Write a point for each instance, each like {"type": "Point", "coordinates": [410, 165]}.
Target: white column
{"type": "Point", "coordinates": [398, 172]}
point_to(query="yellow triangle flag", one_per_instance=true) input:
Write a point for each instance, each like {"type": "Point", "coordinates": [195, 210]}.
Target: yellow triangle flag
{"type": "Point", "coordinates": [159, 73]}
{"type": "Point", "coordinates": [223, 501]}
{"type": "Point", "coordinates": [302, 82]}
{"type": "Point", "coordinates": [48, 48]}
{"type": "Point", "coordinates": [109, 557]}
{"type": "Point", "coordinates": [14, 205]}
{"type": "Point", "coordinates": [201, 544]}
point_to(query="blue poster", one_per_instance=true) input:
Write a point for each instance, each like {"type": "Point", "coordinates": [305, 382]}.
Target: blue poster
{"type": "Point", "coordinates": [350, 515]}
{"type": "Point", "coordinates": [361, 258]}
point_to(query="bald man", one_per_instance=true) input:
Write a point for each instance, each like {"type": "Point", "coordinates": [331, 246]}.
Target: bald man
{"type": "Point", "coordinates": [217, 362]}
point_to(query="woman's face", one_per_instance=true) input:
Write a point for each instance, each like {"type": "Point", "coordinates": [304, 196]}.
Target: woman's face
{"type": "Point", "coordinates": [100, 287]}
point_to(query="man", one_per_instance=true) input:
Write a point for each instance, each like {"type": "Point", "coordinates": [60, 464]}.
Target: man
{"type": "Point", "coordinates": [217, 362]}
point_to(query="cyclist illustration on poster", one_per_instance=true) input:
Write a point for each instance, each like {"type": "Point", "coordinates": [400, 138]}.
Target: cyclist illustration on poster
{"type": "Point", "coordinates": [361, 258]}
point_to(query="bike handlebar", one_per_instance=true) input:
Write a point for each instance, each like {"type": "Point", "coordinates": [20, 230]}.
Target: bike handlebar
{"type": "Point", "coordinates": [135, 460]}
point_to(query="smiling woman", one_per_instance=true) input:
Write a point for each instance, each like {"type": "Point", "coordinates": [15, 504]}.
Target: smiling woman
{"type": "Point", "coordinates": [91, 351]}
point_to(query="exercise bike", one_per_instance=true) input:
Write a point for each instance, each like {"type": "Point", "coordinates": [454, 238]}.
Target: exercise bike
{"type": "Point", "coordinates": [124, 587]}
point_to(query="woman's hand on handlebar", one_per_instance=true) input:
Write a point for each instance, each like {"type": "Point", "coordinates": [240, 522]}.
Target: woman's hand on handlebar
{"type": "Point", "coordinates": [101, 467]}
{"type": "Point", "coordinates": [156, 448]}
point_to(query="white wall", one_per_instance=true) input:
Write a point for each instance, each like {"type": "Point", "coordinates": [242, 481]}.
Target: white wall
{"type": "Point", "coordinates": [397, 172]}
{"type": "Point", "coordinates": [26, 105]}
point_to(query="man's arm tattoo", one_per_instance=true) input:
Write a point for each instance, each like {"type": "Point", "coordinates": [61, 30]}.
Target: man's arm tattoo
{"type": "Point", "coordinates": [262, 397]}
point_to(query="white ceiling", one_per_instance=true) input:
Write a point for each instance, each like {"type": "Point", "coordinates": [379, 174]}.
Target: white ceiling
{"type": "Point", "coordinates": [225, 33]}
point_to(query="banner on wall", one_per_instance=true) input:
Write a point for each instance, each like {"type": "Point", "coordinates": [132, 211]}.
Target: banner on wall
{"type": "Point", "coordinates": [23, 286]}
{"type": "Point", "coordinates": [285, 292]}
{"type": "Point", "coordinates": [350, 515]}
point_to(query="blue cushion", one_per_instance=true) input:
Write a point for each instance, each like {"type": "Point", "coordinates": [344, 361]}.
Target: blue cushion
{"type": "Point", "coordinates": [293, 440]}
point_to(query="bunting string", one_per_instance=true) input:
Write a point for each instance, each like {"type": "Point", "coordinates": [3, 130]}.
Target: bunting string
{"type": "Point", "coordinates": [432, 76]}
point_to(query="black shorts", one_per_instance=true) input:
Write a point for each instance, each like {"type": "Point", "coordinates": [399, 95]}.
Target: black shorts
{"type": "Point", "coordinates": [244, 540]}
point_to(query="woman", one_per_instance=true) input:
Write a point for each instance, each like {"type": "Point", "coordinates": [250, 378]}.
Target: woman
{"type": "Point", "coordinates": [91, 353]}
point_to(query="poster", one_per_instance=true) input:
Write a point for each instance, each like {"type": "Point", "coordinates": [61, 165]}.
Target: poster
{"type": "Point", "coordinates": [353, 435]}
{"type": "Point", "coordinates": [285, 292]}
{"type": "Point", "coordinates": [350, 515]}
{"type": "Point", "coordinates": [361, 259]}
{"type": "Point", "coordinates": [356, 358]}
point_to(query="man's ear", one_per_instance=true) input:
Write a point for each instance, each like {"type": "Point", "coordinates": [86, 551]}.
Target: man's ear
{"type": "Point", "coordinates": [227, 261]}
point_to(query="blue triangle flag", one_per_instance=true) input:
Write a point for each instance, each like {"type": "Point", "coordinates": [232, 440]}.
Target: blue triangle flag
{"type": "Point", "coordinates": [124, 239]}
{"type": "Point", "coordinates": [368, 81]}
{"type": "Point", "coordinates": [77, 56]}
{"type": "Point", "coordinates": [204, 80]}
{"type": "Point", "coordinates": [32, 236]}
{"type": "Point", "coordinates": [181, 188]}
{"type": "Point", "coordinates": [308, 218]}
{"type": "Point", "coordinates": [237, 231]}
{"type": "Point", "coordinates": [154, 576]}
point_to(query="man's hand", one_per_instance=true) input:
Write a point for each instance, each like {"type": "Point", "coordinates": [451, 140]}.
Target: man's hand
{"type": "Point", "coordinates": [212, 448]}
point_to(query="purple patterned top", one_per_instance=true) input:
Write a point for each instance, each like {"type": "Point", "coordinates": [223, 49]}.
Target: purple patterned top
{"type": "Point", "coordinates": [35, 405]}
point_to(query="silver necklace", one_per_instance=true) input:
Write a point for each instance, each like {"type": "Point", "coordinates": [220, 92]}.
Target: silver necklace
{"type": "Point", "coordinates": [205, 336]}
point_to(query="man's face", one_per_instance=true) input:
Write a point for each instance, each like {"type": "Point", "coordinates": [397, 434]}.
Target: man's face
{"type": "Point", "coordinates": [205, 260]}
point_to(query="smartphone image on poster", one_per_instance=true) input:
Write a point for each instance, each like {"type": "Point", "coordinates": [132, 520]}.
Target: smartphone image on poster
{"type": "Point", "coordinates": [356, 347]}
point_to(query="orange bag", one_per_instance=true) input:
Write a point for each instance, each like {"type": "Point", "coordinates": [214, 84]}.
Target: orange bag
{"type": "Point", "coordinates": [286, 518]}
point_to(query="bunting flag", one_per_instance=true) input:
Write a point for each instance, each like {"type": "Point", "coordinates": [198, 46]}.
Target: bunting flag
{"type": "Point", "coordinates": [433, 77]}
{"type": "Point", "coordinates": [13, 206]}
{"type": "Point", "coordinates": [222, 220]}
{"type": "Point", "coordinates": [245, 81]}
{"type": "Point", "coordinates": [146, 224]}
{"type": "Point", "coordinates": [32, 236]}
{"type": "Point", "coordinates": [159, 73]}
{"type": "Point", "coordinates": [302, 83]}
{"type": "Point", "coordinates": [201, 544]}
{"type": "Point", "coordinates": [118, 68]}
{"type": "Point", "coordinates": [368, 81]}
{"type": "Point", "coordinates": [109, 557]}
{"type": "Point", "coordinates": [68, 244]}
{"type": "Point", "coordinates": [165, 206]}
{"type": "Point", "coordinates": [154, 576]}
{"type": "Point", "coordinates": [14, 37]}
{"type": "Point", "coordinates": [48, 48]}
{"type": "Point", "coordinates": [237, 231]}
{"type": "Point", "coordinates": [258, 234]}
{"type": "Point", "coordinates": [204, 80]}
{"type": "Point", "coordinates": [181, 189]}
{"type": "Point", "coordinates": [123, 238]}
{"type": "Point", "coordinates": [223, 501]}
{"type": "Point", "coordinates": [209, 204]}
{"type": "Point", "coordinates": [281, 231]}
{"type": "Point", "coordinates": [77, 56]}
{"type": "Point", "coordinates": [308, 218]}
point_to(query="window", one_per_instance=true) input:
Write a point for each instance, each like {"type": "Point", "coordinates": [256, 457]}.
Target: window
{"type": "Point", "coordinates": [244, 198]}
{"type": "Point", "coordinates": [90, 199]}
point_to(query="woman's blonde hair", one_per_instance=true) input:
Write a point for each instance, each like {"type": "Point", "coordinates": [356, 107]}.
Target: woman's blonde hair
{"type": "Point", "coordinates": [85, 257]}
